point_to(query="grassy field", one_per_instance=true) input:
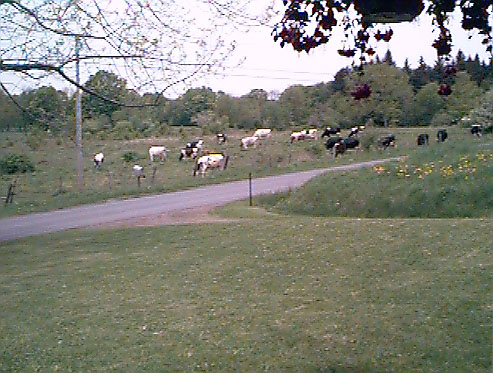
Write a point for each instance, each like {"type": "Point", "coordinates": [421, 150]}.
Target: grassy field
{"type": "Point", "coordinates": [268, 293]}
{"type": "Point", "coordinates": [454, 179]}
{"type": "Point", "coordinates": [53, 184]}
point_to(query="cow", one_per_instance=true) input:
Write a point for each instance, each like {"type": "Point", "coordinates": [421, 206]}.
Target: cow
{"type": "Point", "coordinates": [386, 141]}
{"type": "Point", "coordinates": [138, 171]}
{"type": "Point", "coordinates": [191, 149]}
{"type": "Point", "coordinates": [354, 131]}
{"type": "Point", "coordinates": [158, 151]}
{"type": "Point", "coordinates": [304, 134]}
{"type": "Point", "coordinates": [310, 133]}
{"type": "Point", "coordinates": [422, 139]}
{"type": "Point", "coordinates": [296, 136]}
{"type": "Point", "coordinates": [98, 159]}
{"type": "Point", "coordinates": [262, 132]}
{"type": "Point", "coordinates": [214, 160]}
{"type": "Point", "coordinates": [221, 138]}
{"type": "Point", "coordinates": [442, 135]}
{"type": "Point", "coordinates": [247, 141]}
{"type": "Point", "coordinates": [339, 148]}
{"type": "Point", "coordinates": [351, 142]}
{"type": "Point", "coordinates": [331, 131]}
{"type": "Point", "coordinates": [332, 141]}
{"type": "Point", "coordinates": [477, 129]}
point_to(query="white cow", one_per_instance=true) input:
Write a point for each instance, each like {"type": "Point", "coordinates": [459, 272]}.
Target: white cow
{"type": "Point", "coordinates": [138, 171]}
{"type": "Point", "coordinates": [158, 151]}
{"type": "Point", "coordinates": [98, 159]}
{"type": "Point", "coordinates": [311, 133]}
{"type": "Point", "coordinates": [262, 132]}
{"type": "Point", "coordinates": [249, 140]}
{"type": "Point", "coordinates": [215, 160]}
{"type": "Point", "coordinates": [296, 136]}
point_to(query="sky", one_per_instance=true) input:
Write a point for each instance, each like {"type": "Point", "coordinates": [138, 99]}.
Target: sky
{"type": "Point", "coordinates": [265, 65]}
{"type": "Point", "coordinates": [272, 68]}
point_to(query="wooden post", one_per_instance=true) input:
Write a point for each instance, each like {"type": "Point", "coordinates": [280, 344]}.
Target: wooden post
{"type": "Point", "coordinates": [10, 193]}
{"type": "Point", "coordinates": [138, 181]}
{"type": "Point", "coordinates": [250, 188]}
{"type": "Point", "coordinates": [154, 170]}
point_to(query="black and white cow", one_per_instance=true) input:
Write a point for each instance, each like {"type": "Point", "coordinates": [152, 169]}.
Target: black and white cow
{"type": "Point", "coordinates": [191, 149]}
{"type": "Point", "coordinates": [354, 131]}
{"type": "Point", "coordinates": [331, 131]}
{"type": "Point", "coordinates": [422, 139]}
{"type": "Point", "coordinates": [332, 141]}
{"type": "Point", "coordinates": [98, 160]}
{"type": "Point", "coordinates": [351, 142]}
{"type": "Point", "coordinates": [214, 160]}
{"type": "Point", "coordinates": [442, 135]}
{"type": "Point", "coordinates": [339, 148]}
{"type": "Point", "coordinates": [221, 138]}
{"type": "Point", "coordinates": [477, 129]}
{"type": "Point", "coordinates": [386, 141]}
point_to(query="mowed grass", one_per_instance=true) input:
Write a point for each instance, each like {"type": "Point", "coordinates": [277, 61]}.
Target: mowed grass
{"type": "Point", "coordinates": [53, 185]}
{"type": "Point", "coordinates": [268, 293]}
{"type": "Point", "coordinates": [453, 179]}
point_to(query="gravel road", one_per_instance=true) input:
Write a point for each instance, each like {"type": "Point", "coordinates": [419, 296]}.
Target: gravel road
{"type": "Point", "coordinates": [118, 210]}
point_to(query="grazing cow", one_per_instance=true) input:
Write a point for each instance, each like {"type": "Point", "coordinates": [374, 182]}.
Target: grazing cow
{"type": "Point", "coordinates": [386, 141]}
{"type": "Point", "coordinates": [331, 131]}
{"type": "Point", "coordinates": [158, 151]}
{"type": "Point", "coordinates": [296, 136]}
{"type": "Point", "coordinates": [423, 139]}
{"type": "Point", "coordinates": [354, 131]}
{"type": "Point", "coordinates": [191, 149]}
{"type": "Point", "coordinates": [311, 133]}
{"type": "Point", "coordinates": [98, 159]}
{"type": "Point", "coordinates": [138, 171]}
{"type": "Point", "coordinates": [247, 141]}
{"type": "Point", "coordinates": [304, 134]}
{"type": "Point", "coordinates": [351, 142]}
{"type": "Point", "coordinates": [339, 148]}
{"type": "Point", "coordinates": [477, 129]}
{"type": "Point", "coordinates": [442, 135]}
{"type": "Point", "coordinates": [214, 160]}
{"type": "Point", "coordinates": [332, 141]}
{"type": "Point", "coordinates": [221, 138]}
{"type": "Point", "coordinates": [262, 132]}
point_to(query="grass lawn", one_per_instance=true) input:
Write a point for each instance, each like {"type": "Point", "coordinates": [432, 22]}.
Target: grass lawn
{"type": "Point", "coordinates": [281, 293]}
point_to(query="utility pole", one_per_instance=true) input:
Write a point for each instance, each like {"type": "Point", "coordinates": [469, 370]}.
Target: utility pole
{"type": "Point", "coordinates": [78, 119]}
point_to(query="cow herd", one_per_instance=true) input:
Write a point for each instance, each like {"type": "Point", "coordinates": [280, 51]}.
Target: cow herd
{"type": "Point", "coordinates": [338, 145]}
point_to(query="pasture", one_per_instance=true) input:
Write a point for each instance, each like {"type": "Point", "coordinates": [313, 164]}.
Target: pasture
{"type": "Point", "coordinates": [53, 183]}
{"type": "Point", "coordinates": [270, 292]}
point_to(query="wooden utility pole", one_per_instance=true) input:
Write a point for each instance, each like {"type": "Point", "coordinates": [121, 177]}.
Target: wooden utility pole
{"type": "Point", "coordinates": [78, 119]}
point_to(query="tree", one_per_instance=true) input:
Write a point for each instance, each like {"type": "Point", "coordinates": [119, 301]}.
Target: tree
{"type": "Point", "coordinates": [153, 45]}
{"type": "Point", "coordinates": [105, 84]}
{"type": "Point", "coordinates": [45, 106]}
{"type": "Point", "coordinates": [308, 24]}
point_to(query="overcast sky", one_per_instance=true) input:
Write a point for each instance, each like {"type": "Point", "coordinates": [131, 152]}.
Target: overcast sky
{"type": "Point", "coordinates": [272, 68]}
{"type": "Point", "coordinates": [265, 65]}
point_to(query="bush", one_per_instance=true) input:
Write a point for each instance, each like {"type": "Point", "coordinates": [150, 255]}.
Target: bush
{"type": "Point", "coordinates": [131, 156]}
{"type": "Point", "coordinates": [16, 163]}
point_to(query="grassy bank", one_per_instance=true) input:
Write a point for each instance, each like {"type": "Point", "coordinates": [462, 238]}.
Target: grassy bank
{"type": "Point", "coordinates": [273, 293]}
{"type": "Point", "coordinates": [454, 179]}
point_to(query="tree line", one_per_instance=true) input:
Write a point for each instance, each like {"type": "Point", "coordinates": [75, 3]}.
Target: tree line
{"type": "Point", "coordinates": [401, 96]}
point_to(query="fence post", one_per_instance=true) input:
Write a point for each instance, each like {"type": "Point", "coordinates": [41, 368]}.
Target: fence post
{"type": "Point", "coordinates": [250, 188]}
{"type": "Point", "coordinates": [154, 170]}
{"type": "Point", "coordinates": [10, 193]}
{"type": "Point", "coordinates": [138, 181]}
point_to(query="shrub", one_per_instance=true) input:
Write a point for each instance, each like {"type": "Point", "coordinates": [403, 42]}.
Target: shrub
{"type": "Point", "coordinates": [131, 156]}
{"type": "Point", "coordinates": [16, 163]}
